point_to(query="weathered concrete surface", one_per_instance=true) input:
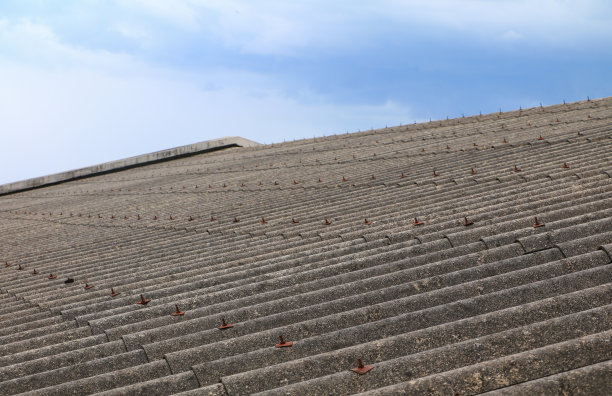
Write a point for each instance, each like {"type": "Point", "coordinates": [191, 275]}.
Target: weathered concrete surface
{"type": "Point", "coordinates": [113, 166]}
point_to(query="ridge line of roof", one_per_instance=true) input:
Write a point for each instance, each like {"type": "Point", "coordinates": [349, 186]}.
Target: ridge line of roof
{"type": "Point", "coordinates": [126, 163]}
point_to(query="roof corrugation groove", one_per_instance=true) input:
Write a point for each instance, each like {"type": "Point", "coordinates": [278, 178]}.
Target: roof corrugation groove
{"type": "Point", "coordinates": [462, 256]}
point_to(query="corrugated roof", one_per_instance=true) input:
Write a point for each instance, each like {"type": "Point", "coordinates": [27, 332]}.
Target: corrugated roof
{"type": "Point", "coordinates": [463, 256]}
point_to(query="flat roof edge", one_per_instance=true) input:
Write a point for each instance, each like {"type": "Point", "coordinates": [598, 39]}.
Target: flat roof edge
{"type": "Point", "coordinates": [126, 163]}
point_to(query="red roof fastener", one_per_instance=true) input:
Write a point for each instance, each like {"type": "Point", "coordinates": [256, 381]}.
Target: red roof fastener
{"type": "Point", "coordinates": [361, 368]}
{"type": "Point", "coordinates": [263, 221]}
{"type": "Point", "coordinates": [540, 137]}
{"type": "Point", "coordinates": [327, 222]}
{"type": "Point", "coordinates": [402, 176]}
{"type": "Point", "coordinates": [236, 219]}
{"type": "Point", "coordinates": [190, 218]}
{"type": "Point", "coordinates": [212, 218]}
{"type": "Point", "coordinates": [224, 325]}
{"type": "Point", "coordinates": [367, 222]}
{"type": "Point", "coordinates": [143, 301]}
{"type": "Point", "coordinates": [51, 276]}
{"type": "Point", "coordinates": [466, 222]}
{"type": "Point", "coordinates": [294, 221]}
{"type": "Point", "coordinates": [516, 169]}
{"type": "Point", "coordinates": [178, 312]}
{"type": "Point", "coordinates": [537, 224]}
{"type": "Point", "coordinates": [20, 267]}
{"type": "Point", "coordinates": [295, 182]}
{"type": "Point", "coordinates": [34, 272]}
{"type": "Point", "coordinates": [283, 343]}
{"type": "Point", "coordinates": [6, 264]}
{"type": "Point", "coordinates": [472, 172]}
{"type": "Point", "coordinates": [344, 179]}
{"type": "Point", "coordinates": [87, 286]}
{"type": "Point", "coordinates": [113, 293]}
{"type": "Point", "coordinates": [565, 165]}
{"type": "Point", "coordinates": [417, 222]}
{"type": "Point", "coordinates": [434, 173]}
{"type": "Point", "coordinates": [319, 181]}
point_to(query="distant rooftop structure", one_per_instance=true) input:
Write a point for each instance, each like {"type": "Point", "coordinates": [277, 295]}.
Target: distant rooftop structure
{"type": "Point", "coordinates": [455, 257]}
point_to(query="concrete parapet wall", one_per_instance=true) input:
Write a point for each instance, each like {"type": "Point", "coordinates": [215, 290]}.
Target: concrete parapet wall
{"type": "Point", "coordinates": [114, 166]}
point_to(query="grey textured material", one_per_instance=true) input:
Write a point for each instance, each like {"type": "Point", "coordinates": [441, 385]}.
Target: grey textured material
{"type": "Point", "coordinates": [348, 246]}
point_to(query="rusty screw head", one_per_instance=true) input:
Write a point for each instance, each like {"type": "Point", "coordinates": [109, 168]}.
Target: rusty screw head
{"type": "Point", "coordinates": [565, 165]}
{"type": "Point", "coordinates": [537, 224]}
{"type": "Point", "coordinates": [34, 272]}
{"type": "Point", "coordinates": [224, 325]}
{"type": "Point", "coordinates": [143, 301]}
{"type": "Point", "coordinates": [236, 219]}
{"type": "Point", "coordinates": [87, 286]}
{"type": "Point", "coordinates": [362, 368]}
{"type": "Point", "coordinates": [294, 221]}
{"type": "Point", "coordinates": [516, 169]}
{"type": "Point", "coordinates": [178, 312]}
{"type": "Point", "coordinates": [402, 176]}
{"type": "Point", "coordinates": [466, 222]}
{"type": "Point", "coordinates": [212, 218]}
{"type": "Point", "coordinates": [283, 343]}
{"type": "Point", "coordinates": [264, 221]}
{"type": "Point", "coordinates": [417, 222]}
{"type": "Point", "coordinates": [472, 172]}
{"type": "Point", "coordinates": [51, 276]}
{"type": "Point", "coordinates": [113, 293]}
{"type": "Point", "coordinates": [367, 222]}
{"type": "Point", "coordinates": [327, 222]}
{"type": "Point", "coordinates": [190, 218]}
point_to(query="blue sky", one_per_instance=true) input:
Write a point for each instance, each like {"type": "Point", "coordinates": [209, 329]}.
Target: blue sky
{"type": "Point", "coordinates": [89, 81]}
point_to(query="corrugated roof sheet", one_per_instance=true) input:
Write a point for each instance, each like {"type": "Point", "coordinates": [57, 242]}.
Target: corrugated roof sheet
{"type": "Point", "coordinates": [465, 256]}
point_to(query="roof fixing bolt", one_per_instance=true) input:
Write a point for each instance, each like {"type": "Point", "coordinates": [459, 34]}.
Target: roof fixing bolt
{"type": "Point", "coordinates": [275, 183]}
{"type": "Point", "coordinates": [327, 222]}
{"type": "Point", "coordinates": [34, 272]}
{"type": "Point", "coordinates": [361, 368]}
{"type": "Point", "coordinates": [6, 264]}
{"type": "Point", "coordinates": [20, 268]}
{"type": "Point", "coordinates": [367, 222]}
{"type": "Point", "coordinates": [224, 325]}
{"type": "Point", "coordinates": [143, 301]}
{"type": "Point", "coordinates": [113, 293]}
{"type": "Point", "coordinates": [236, 220]}
{"type": "Point", "coordinates": [178, 312]}
{"type": "Point", "coordinates": [472, 172]}
{"type": "Point", "coordinates": [263, 221]}
{"type": "Point", "coordinates": [516, 169]}
{"type": "Point", "coordinates": [294, 221]}
{"type": "Point", "coordinates": [295, 182]}
{"type": "Point", "coordinates": [537, 224]}
{"type": "Point", "coordinates": [190, 218]}
{"type": "Point", "coordinates": [434, 173]}
{"type": "Point", "coordinates": [417, 222]}
{"type": "Point", "coordinates": [283, 343]}
{"type": "Point", "coordinates": [402, 176]}
{"type": "Point", "coordinates": [212, 218]}
{"type": "Point", "coordinates": [466, 222]}
{"type": "Point", "coordinates": [565, 165]}
{"type": "Point", "coordinates": [87, 286]}
{"type": "Point", "coordinates": [474, 144]}
{"type": "Point", "coordinates": [155, 217]}
{"type": "Point", "coordinates": [51, 276]}
{"type": "Point", "coordinates": [319, 181]}
{"type": "Point", "coordinates": [344, 179]}
{"type": "Point", "coordinates": [505, 140]}
{"type": "Point", "coordinates": [171, 218]}
{"type": "Point", "coordinates": [540, 137]}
